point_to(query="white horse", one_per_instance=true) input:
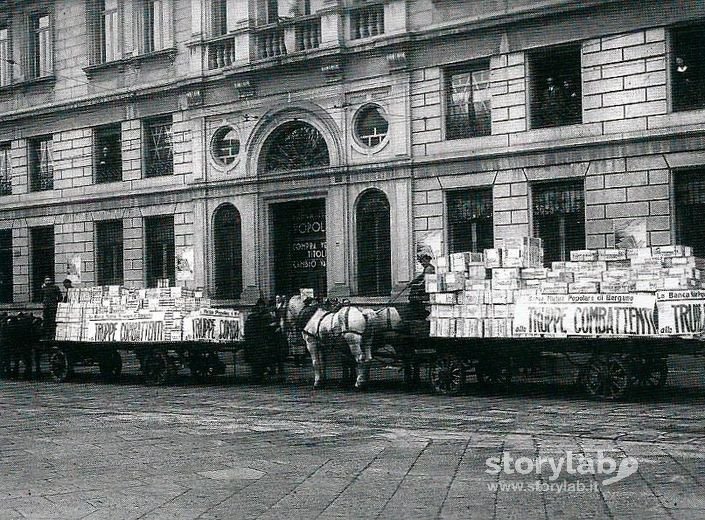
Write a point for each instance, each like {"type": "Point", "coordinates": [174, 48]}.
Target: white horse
{"type": "Point", "coordinates": [355, 326]}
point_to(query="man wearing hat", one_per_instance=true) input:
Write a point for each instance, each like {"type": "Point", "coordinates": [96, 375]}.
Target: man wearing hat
{"type": "Point", "coordinates": [51, 296]}
{"type": "Point", "coordinates": [418, 297]}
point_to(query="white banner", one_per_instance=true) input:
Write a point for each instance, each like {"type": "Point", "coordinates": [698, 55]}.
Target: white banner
{"type": "Point", "coordinates": [585, 315]}
{"type": "Point", "coordinates": [126, 330]}
{"type": "Point", "coordinates": [184, 264]}
{"type": "Point", "coordinates": [213, 328]}
{"type": "Point", "coordinates": [681, 312]}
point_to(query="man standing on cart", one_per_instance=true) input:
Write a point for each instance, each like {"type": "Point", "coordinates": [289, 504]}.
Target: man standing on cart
{"type": "Point", "coordinates": [418, 297]}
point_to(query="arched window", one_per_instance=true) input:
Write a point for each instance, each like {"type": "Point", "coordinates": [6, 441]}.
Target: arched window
{"type": "Point", "coordinates": [228, 252]}
{"type": "Point", "coordinates": [294, 146]}
{"type": "Point", "coordinates": [374, 254]}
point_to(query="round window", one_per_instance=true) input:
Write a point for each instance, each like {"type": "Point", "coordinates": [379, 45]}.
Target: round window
{"type": "Point", "coordinates": [226, 145]}
{"type": "Point", "coordinates": [371, 126]}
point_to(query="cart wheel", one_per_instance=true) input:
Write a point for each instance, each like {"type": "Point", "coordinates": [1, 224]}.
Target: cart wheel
{"type": "Point", "coordinates": [651, 373]}
{"type": "Point", "coordinates": [156, 368]}
{"type": "Point", "coordinates": [59, 365]}
{"type": "Point", "coordinates": [205, 366]}
{"type": "Point", "coordinates": [607, 378]}
{"type": "Point", "coordinates": [448, 375]}
{"type": "Point", "coordinates": [111, 366]}
{"type": "Point", "coordinates": [494, 372]}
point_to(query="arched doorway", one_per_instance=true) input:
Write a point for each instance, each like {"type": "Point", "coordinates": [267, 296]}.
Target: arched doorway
{"type": "Point", "coordinates": [374, 254]}
{"type": "Point", "coordinates": [227, 249]}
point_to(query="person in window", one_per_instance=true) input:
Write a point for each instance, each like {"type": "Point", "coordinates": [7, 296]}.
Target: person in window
{"type": "Point", "coordinates": [685, 89]}
{"type": "Point", "coordinates": [51, 296]}
{"type": "Point", "coordinates": [418, 297]}
{"type": "Point", "coordinates": [569, 101]}
{"type": "Point", "coordinates": [551, 104]}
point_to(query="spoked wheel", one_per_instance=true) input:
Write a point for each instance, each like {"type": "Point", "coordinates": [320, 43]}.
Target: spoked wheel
{"type": "Point", "coordinates": [651, 372]}
{"type": "Point", "coordinates": [448, 375]}
{"type": "Point", "coordinates": [607, 377]}
{"type": "Point", "coordinates": [156, 368]}
{"type": "Point", "coordinates": [59, 365]}
{"type": "Point", "coordinates": [111, 366]}
{"type": "Point", "coordinates": [206, 366]}
{"type": "Point", "coordinates": [494, 372]}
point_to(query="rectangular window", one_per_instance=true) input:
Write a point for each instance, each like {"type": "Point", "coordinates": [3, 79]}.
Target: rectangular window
{"type": "Point", "coordinates": [468, 101]}
{"type": "Point", "coordinates": [470, 222]}
{"type": "Point", "coordinates": [40, 46]}
{"type": "Point", "coordinates": [109, 252]}
{"type": "Point", "coordinates": [689, 187]}
{"type": "Point", "coordinates": [219, 17]}
{"type": "Point", "coordinates": [5, 57]}
{"type": "Point", "coordinates": [559, 218]}
{"type": "Point", "coordinates": [109, 30]}
{"type": "Point", "coordinates": [5, 169]}
{"type": "Point", "coordinates": [158, 148]}
{"type": "Point", "coordinates": [272, 11]}
{"type": "Point", "coordinates": [6, 266]}
{"type": "Point", "coordinates": [108, 153]}
{"type": "Point", "coordinates": [156, 26]}
{"type": "Point", "coordinates": [41, 164]}
{"type": "Point", "coordinates": [687, 68]}
{"type": "Point", "coordinates": [555, 87]}
{"type": "Point", "coordinates": [367, 21]}
{"type": "Point", "coordinates": [42, 257]}
{"type": "Point", "coordinates": [159, 243]}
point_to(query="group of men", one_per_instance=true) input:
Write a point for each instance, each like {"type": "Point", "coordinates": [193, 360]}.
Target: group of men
{"type": "Point", "coordinates": [51, 296]}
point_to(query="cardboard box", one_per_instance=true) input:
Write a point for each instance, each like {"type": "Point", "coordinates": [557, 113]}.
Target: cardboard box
{"type": "Point", "coordinates": [583, 255]}
{"type": "Point", "coordinates": [616, 287]}
{"type": "Point", "coordinates": [639, 253]}
{"type": "Point", "coordinates": [670, 251]}
{"type": "Point", "coordinates": [471, 297]}
{"type": "Point", "coordinates": [477, 272]}
{"type": "Point", "coordinates": [442, 311]}
{"type": "Point", "coordinates": [506, 285]}
{"type": "Point", "coordinates": [554, 287]}
{"type": "Point", "coordinates": [611, 254]}
{"type": "Point", "coordinates": [493, 258]}
{"type": "Point", "coordinates": [583, 287]}
{"type": "Point", "coordinates": [533, 273]}
{"type": "Point", "coordinates": [503, 273]}
{"type": "Point", "coordinates": [443, 298]}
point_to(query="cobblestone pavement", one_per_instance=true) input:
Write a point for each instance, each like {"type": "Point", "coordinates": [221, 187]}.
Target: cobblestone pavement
{"type": "Point", "coordinates": [91, 450]}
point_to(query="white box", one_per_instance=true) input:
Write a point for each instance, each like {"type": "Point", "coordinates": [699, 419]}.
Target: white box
{"type": "Point", "coordinates": [583, 255]}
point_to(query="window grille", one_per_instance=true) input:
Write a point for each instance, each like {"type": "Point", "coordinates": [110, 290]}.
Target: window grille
{"type": "Point", "coordinates": [470, 220]}
{"type": "Point", "coordinates": [159, 149]}
{"type": "Point", "coordinates": [371, 126]}
{"type": "Point", "coordinates": [226, 145]}
{"type": "Point", "coordinates": [687, 68]}
{"type": "Point", "coordinates": [294, 146]}
{"type": "Point", "coordinates": [41, 164]}
{"type": "Point", "coordinates": [108, 153]}
{"type": "Point", "coordinates": [374, 254]}
{"type": "Point", "coordinates": [689, 187]}
{"type": "Point", "coordinates": [559, 218]}
{"type": "Point", "coordinates": [5, 169]}
{"type": "Point", "coordinates": [468, 102]}
{"type": "Point", "coordinates": [161, 251]}
{"type": "Point", "coordinates": [109, 252]}
{"type": "Point", "coordinates": [228, 252]}
{"type": "Point", "coordinates": [6, 279]}
{"type": "Point", "coordinates": [42, 256]}
{"type": "Point", "coordinates": [40, 45]}
{"type": "Point", "coordinates": [556, 87]}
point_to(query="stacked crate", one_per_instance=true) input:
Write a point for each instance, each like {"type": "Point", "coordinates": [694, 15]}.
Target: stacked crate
{"type": "Point", "coordinates": [474, 294]}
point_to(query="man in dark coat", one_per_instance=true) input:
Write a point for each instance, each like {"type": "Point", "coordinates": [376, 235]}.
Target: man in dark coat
{"type": "Point", "coordinates": [51, 296]}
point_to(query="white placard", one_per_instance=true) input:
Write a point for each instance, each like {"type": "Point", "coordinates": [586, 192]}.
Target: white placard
{"type": "Point", "coordinates": [184, 264]}
{"type": "Point", "coordinates": [131, 331]}
{"type": "Point", "coordinates": [585, 315]}
{"type": "Point", "coordinates": [681, 313]}
{"type": "Point", "coordinates": [213, 328]}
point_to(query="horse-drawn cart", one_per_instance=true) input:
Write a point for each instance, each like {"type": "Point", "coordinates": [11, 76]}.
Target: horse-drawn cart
{"type": "Point", "coordinates": [608, 368]}
{"type": "Point", "coordinates": [159, 360]}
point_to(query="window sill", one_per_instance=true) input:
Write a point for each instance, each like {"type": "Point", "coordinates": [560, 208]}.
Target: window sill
{"type": "Point", "coordinates": [50, 79]}
{"type": "Point", "coordinates": [134, 61]}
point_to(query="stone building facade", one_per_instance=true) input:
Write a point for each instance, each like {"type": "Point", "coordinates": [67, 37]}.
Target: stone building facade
{"type": "Point", "coordinates": [254, 147]}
